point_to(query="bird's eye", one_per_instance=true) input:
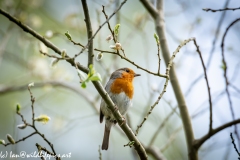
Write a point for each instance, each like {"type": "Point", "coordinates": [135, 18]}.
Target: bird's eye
{"type": "Point", "coordinates": [127, 70]}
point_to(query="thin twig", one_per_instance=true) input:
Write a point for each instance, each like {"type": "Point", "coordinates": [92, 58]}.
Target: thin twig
{"type": "Point", "coordinates": [23, 139]}
{"type": "Point", "coordinates": [112, 32]}
{"type": "Point", "coordinates": [234, 145]}
{"type": "Point", "coordinates": [217, 10]}
{"type": "Point", "coordinates": [208, 86]}
{"type": "Point", "coordinates": [165, 84]}
{"type": "Point", "coordinates": [226, 78]}
{"type": "Point", "coordinates": [159, 58]}
{"type": "Point", "coordinates": [133, 63]}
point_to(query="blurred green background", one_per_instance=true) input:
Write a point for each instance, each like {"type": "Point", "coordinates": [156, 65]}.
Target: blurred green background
{"type": "Point", "coordinates": [74, 127]}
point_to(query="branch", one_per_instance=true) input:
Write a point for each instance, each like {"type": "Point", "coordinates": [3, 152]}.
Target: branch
{"type": "Point", "coordinates": [133, 63]}
{"type": "Point", "coordinates": [41, 38]}
{"type": "Point", "coordinates": [117, 115]}
{"type": "Point", "coordinates": [217, 10]}
{"type": "Point", "coordinates": [225, 74]}
{"type": "Point", "coordinates": [197, 143]}
{"type": "Point", "coordinates": [89, 32]}
{"type": "Point", "coordinates": [208, 86]}
{"type": "Point", "coordinates": [150, 8]}
{"type": "Point", "coordinates": [160, 29]}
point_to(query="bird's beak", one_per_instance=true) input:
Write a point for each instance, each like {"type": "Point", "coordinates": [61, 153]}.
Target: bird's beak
{"type": "Point", "coordinates": [135, 75]}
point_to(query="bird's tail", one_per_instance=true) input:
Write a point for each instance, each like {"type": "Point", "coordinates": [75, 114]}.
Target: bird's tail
{"type": "Point", "coordinates": [105, 142]}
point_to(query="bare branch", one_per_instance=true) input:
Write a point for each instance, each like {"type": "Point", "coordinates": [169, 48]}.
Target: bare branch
{"type": "Point", "coordinates": [208, 86]}
{"type": "Point", "coordinates": [133, 63]}
{"type": "Point", "coordinates": [197, 143]}
{"type": "Point", "coordinates": [217, 10]}
{"type": "Point", "coordinates": [225, 75]}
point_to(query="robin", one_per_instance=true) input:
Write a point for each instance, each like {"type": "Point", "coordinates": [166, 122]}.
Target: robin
{"type": "Point", "coordinates": [120, 89]}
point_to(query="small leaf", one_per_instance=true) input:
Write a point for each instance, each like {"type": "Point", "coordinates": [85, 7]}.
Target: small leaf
{"type": "Point", "coordinates": [94, 78]}
{"type": "Point", "coordinates": [83, 85]}
{"type": "Point", "coordinates": [116, 29]}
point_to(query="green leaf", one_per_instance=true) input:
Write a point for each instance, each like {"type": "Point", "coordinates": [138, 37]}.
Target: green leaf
{"type": "Point", "coordinates": [116, 29]}
{"type": "Point", "coordinates": [83, 85]}
{"type": "Point", "coordinates": [95, 78]}
{"type": "Point", "coordinates": [68, 35]}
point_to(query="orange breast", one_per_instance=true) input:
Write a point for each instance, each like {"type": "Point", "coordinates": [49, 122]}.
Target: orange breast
{"type": "Point", "coordinates": [122, 85]}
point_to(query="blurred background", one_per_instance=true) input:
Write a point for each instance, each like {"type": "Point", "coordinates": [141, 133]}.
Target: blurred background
{"type": "Point", "coordinates": [74, 127]}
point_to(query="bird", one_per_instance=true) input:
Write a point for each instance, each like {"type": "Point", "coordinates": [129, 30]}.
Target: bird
{"type": "Point", "coordinates": [120, 89]}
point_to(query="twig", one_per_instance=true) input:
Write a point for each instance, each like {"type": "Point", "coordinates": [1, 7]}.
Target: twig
{"type": "Point", "coordinates": [208, 86]}
{"type": "Point", "coordinates": [53, 56]}
{"type": "Point", "coordinates": [234, 145]}
{"type": "Point", "coordinates": [225, 75]}
{"type": "Point", "coordinates": [100, 154]}
{"type": "Point", "coordinates": [217, 10]}
{"type": "Point", "coordinates": [23, 139]}
{"type": "Point", "coordinates": [159, 58]}
{"type": "Point", "coordinates": [165, 84]}
{"type": "Point", "coordinates": [133, 63]}
{"type": "Point", "coordinates": [110, 29]}
{"type": "Point", "coordinates": [76, 43]}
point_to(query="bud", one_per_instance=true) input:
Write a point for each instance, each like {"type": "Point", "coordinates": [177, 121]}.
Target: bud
{"type": "Point", "coordinates": [42, 118]}
{"type": "Point", "coordinates": [63, 54]}
{"type": "Point", "coordinates": [31, 84]}
{"type": "Point", "coordinates": [43, 48]}
{"type": "Point", "coordinates": [99, 56]}
{"type": "Point", "coordinates": [49, 34]}
{"type": "Point", "coordinates": [81, 75]}
{"type": "Point", "coordinates": [109, 38]}
{"type": "Point", "coordinates": [156, 38]}
{"type": "Point", "coordinates": [21, 126]}
{"type": "Point", "coordinates": [117, 46]}
{"type": "Point", "coordinates": [18, 107]}
{"type": "Point", "coordinates": [10, 139]}
{"type": "Point", "coordinates": [54, 62]}
{"type": "Point", "coordinates": [68, 35]}
{"type": "Point", "coordinates": [2, 142]}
